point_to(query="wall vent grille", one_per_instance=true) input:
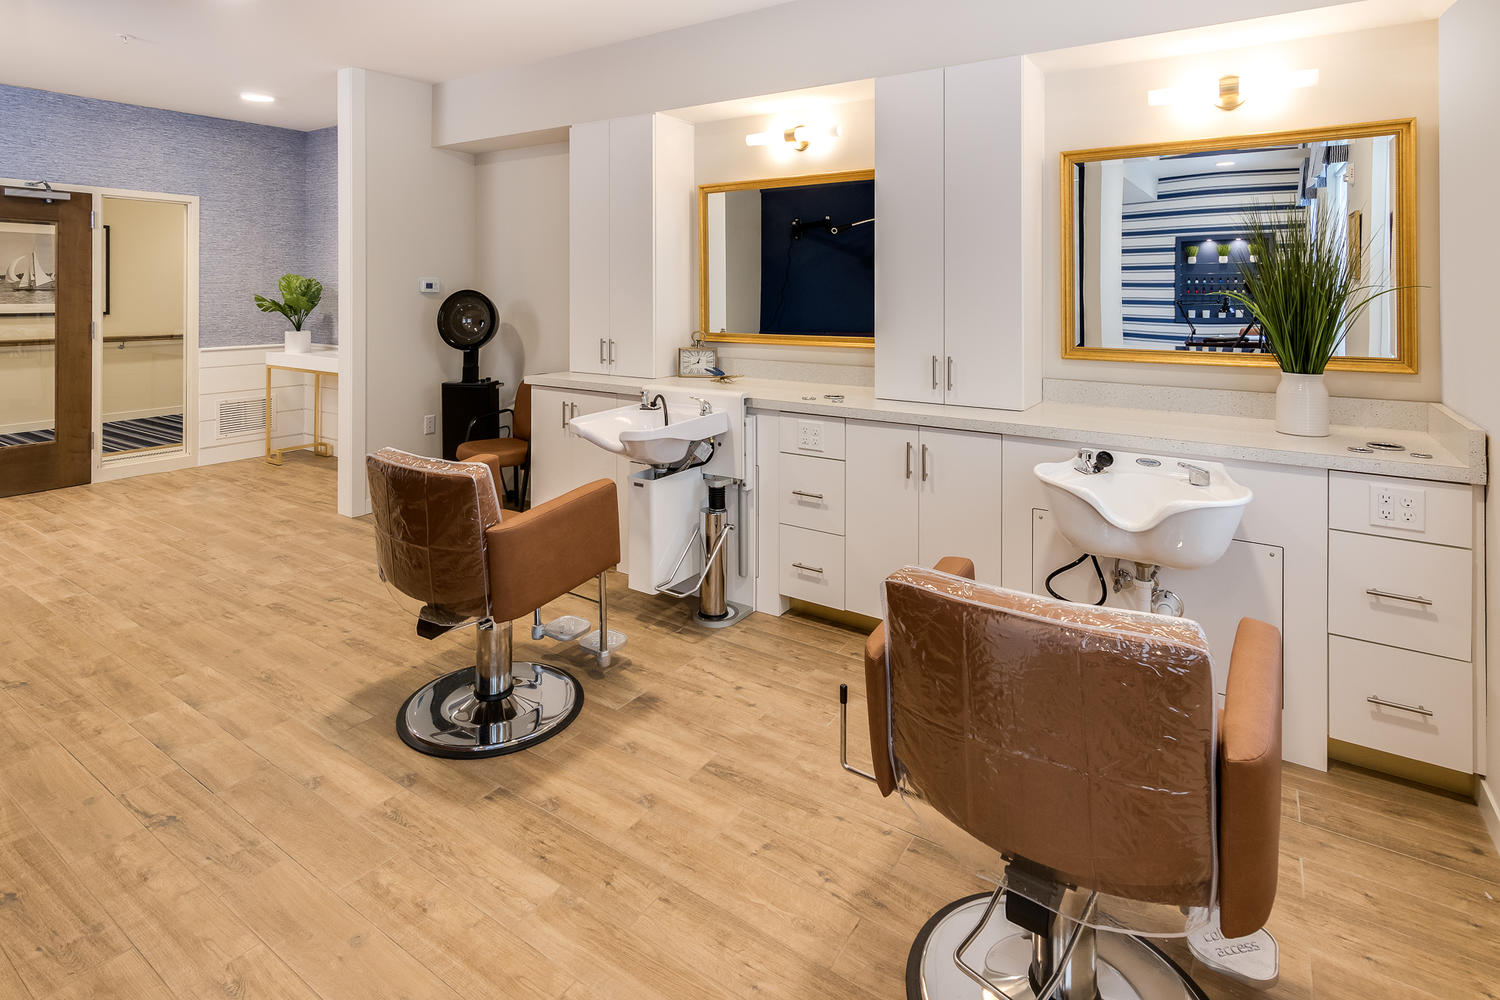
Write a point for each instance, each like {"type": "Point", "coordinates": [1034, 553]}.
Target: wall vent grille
{"type": "Point", "coordinates": [242, 416]}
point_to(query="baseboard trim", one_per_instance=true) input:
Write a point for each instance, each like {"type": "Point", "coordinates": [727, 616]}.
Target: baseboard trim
{"type": "Point", "coordinates": [1489, 808]}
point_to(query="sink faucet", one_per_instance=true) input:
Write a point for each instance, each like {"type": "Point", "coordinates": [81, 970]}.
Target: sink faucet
{"type": "Point", "coordinates": [704, 406]}
{"type": "Point", "coordinates": [1197, 475]}
{"type": "Point", "coordinates": [1091, 462]}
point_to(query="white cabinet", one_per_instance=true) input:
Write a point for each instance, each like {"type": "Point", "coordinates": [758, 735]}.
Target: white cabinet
{"type": "Point", "coordinates": [630, 199]}
{"type": "Point", "coordinates": [958, 183]}
{"type": "Point", "coordinates": [916, 495]}
{"type": "Point", "coordinates": [560, 460]}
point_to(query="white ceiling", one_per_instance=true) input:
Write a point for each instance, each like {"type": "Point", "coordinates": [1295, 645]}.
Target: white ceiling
{"type": "Point", "coordinates": [198, 55]}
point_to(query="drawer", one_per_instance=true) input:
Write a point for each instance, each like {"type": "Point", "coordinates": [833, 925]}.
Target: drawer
{"type": "Point", "coordinates": [1359, 671]}
{"type": "Point", "coordinates": [1444, 511]}
{"type": "Point", "coordinates": [812, 493]}
{"type": "Point", "coordinates": [812, 566]}
{"type": "Point", "coordinates": [822, 436]}
{"type": "Point", "coordinates": [1424, 600]}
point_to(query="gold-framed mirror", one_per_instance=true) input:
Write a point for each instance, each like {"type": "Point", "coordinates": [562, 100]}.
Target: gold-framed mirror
{"type": "Point", "coordinates": [1152, 236]}
{"type": "Point", "coordinates": [788, 260]}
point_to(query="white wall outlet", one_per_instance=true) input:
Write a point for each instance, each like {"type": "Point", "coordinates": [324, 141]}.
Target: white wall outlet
{"type": "Point", "coordinates": [429, 286]}
{"type": "Point", "coordinates": [810, 435]}
{"type": "Point", "coordinates": [1398, 507]}
{"type": "Point", "coordinates": [429, 424]}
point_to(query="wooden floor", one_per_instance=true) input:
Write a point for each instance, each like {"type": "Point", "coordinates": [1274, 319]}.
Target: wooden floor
{"type": "Point", "coordinates": [202, 795]}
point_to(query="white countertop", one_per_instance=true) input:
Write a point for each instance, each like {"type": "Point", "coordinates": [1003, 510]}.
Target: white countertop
{"type": "Point", "coordinates": [318, 359]}
{"type": "Point", "coordinates": [1457, 447]}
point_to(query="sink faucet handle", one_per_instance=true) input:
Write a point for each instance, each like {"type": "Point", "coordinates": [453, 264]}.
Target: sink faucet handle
{"type": "Point", "coordinates": [1197, 475]}
{"type": "Point", "coordinates": [704, 406]}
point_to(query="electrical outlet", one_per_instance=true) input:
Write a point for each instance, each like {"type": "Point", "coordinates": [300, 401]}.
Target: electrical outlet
{"type": "Point", "coordinates": [810, 435]}
{"type": "Point", "coordinates": [429, 424]}
{"type": "Point", "coordinates": [1398, 507]}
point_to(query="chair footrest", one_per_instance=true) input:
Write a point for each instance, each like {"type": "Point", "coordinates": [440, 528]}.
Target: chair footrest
{"type": "Point", "coordinates": [565, 629]}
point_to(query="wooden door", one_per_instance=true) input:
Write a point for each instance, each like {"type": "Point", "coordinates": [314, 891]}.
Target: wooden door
{"type": "Point", "coordinates": [46, 378]}
{"type": "Point", "coordinates": [881, 479]}
{"type": "Point", "coordinates": [960, 507]}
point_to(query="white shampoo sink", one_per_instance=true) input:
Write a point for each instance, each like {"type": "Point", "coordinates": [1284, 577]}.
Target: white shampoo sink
{"type": "Point", "coordinates": [640, 436]}
{"type": "Point", "coordinates": [1146, 508]}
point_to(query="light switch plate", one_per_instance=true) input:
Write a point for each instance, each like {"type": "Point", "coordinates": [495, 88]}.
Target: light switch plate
{"type": "Point", "coordinates": [1398, 507]}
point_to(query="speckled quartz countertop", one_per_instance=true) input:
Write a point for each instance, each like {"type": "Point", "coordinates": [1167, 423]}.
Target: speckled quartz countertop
{"type": "Point", "coordinates": [1232, 426]}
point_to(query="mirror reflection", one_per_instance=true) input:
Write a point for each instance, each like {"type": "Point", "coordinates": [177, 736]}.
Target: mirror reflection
{"type": "Point", "coordinates": [1161, 243]}
{"type": "Point", "coordinates": [789, 258]}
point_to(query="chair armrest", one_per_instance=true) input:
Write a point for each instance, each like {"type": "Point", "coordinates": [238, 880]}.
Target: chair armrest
{"type": "Point", "coordinates": [956, 566]}
{"type": "Point", "coordinates": [1250, 780]}
{"type": "Point", "coordinates": [469, 431]}
{"type": "Point", "coordinates": [538, 555]}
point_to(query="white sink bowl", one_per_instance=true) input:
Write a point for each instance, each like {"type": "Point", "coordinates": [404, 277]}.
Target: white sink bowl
{"type": "Point", "coordinates": [639, 435]}
{"type": "Point", "coordinates": [1145, 512]}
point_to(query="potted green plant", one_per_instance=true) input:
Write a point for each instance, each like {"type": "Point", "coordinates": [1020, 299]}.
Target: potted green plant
{"type": "Point", "coordinates": [1305, 294]}
{"type": "Point", "coordinates": [1223, 253]}
{"type": "Point", "coordinates": [299, 297]}
{"type": "Point", "coordinates": [1192, 253]}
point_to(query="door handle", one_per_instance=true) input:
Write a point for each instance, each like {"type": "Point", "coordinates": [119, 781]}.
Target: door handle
{"type": "Point", "coordinates": [603, 357]}
{"type": "Point", "coordinates": [611, 351]}
{"type": "Point", "coordinates": [934, 372]}
{"type": "Point", "coordinates": [908, 460]}
{"type": "Point", "coordinates": [1377, 592]}
{"type": "Point", "coordinates": [924, 463]}
{"type": "Point", "coordinates": [950, 373]}
{"type": "Point", "coordinates": [804, 493]}
{"type": "Point", "coordinates": [810, 569]}
{"type": "Point", "coordinates": [1422, 710]}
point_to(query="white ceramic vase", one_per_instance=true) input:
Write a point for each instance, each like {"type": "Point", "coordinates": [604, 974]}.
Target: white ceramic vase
{"type": "Point", "coordinates": [1302, 405]}
{"type": "Point", "coordinates": [298, 341]}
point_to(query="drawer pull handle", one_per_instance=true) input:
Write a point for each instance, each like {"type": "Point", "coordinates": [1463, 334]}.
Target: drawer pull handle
{"type": "Point", "coordinates": [1375, 699]}
{"type": "Point", "coordinates": [804, 493]}
{"type": "Point", "coordinates": [810, 569]}
{"type": "Point", "coordinates": [1376, 592]}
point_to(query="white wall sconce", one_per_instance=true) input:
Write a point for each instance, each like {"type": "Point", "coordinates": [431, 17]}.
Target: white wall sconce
{"type": "Point", "coordinates": [798, 137]}
{"type": "Point", "coordinates": [1232, 90]}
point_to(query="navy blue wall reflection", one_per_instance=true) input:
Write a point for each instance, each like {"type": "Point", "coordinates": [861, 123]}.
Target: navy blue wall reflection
{"type": "Point", "coordinates": [813, 280]}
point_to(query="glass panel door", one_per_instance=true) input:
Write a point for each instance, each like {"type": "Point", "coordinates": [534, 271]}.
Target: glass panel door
{"type": "Point", "coordinates": [28, 336]}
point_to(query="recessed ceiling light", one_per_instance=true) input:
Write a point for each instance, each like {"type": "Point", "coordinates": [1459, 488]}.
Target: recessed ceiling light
{"type": "Point", "coordinates": [1224, 163]}
{"type": "Point", "coordinates": [254, 98]}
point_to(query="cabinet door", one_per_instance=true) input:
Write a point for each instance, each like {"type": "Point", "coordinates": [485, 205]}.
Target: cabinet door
{"type": "Point", "coordinates": [631, 246]}
{"type": "Point", "coordinates": [551, 444]}
{"type": "Point", "coordinates": [960, 475]}
{"type": "Point", "coordinates": [880, 518]}
{"type": "Point", "coordinates": [992, 234]}
{"type": "Point", "coordinates": [588, 247]}
{"type": "Point", "coordinates": [909, 247]}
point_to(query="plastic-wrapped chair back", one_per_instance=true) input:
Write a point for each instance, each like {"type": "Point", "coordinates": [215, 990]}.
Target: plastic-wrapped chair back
{"type": "Point", "coordinates": [430, 521]}
{"type": "Point", "coordinates": [1074, 739]}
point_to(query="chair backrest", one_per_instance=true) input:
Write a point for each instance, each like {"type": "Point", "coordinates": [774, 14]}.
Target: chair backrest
{"type": "Point", "coordinates": [430, 519]}
{"type": "Point", "coordinates": [521, 422]}
{"type": "Point", "coordinates": [1077, 738]}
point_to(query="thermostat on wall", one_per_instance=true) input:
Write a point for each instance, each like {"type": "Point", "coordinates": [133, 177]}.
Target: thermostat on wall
{"type": "Point", "coordinates": [429, 286]}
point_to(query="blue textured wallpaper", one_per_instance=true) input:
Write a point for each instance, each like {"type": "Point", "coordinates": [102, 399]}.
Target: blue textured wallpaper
{"type": "Point", "coordinates": [269, 201]}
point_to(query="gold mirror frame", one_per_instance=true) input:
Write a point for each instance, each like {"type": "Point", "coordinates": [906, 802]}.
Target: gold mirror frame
{"type": "Point", "coordinates": [782, 339]}
{"type": "Point", "coordinates": [1405, 132]}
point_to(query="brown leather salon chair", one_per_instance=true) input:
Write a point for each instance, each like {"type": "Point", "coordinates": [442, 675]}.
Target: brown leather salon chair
{"type": "Point", "coordinates": [511, 450]}
{"type": "Point", "coordinates": [441, 542]}
{"type": "Point", "coordinates": [1080, 752]}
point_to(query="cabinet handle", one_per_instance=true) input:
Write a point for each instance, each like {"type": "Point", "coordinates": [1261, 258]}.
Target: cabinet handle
{"type": "Point", "coordinates": [1375, 699]}
{"type": "Point", "coordinates": [810, 569]}
{"type": "Point", "coordinates": [611, 351]}
{"type": "Point", "coordinates": [950, 373]}
{"type": "Point", "coordinates": [804, 493]}
{"type": "Point", "coordinates": [574, 408]}
{"type": "Point", "coordinates": [924, 463]}
{"type": "Point", "coordinates": [1376, 592]}
{"type": "Point", "coordinates": [603, 357]}
{"type": "Point", "coordinates": [908, 460]}
{"type": "Point", "coordinates": [934, 372]}
{"type": "Point", "coordinates": [565, 416]}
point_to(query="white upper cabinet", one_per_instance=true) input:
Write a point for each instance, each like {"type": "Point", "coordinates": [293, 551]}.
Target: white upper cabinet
{"type": "Point", "coordinates": [630, 246]}
{"type": "Point", "coordinates": [958, 186]}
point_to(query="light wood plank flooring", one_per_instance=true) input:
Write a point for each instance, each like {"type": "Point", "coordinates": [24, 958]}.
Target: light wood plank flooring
{"type": "Point", "coordinates": [202, 795]}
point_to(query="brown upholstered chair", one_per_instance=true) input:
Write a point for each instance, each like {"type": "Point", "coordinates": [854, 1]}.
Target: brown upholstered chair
{"type": "Point", "coordinates": [440, 540]}
{"type": "Point", "coordinates": [1079, 749]}
{"type": "Point", "coordinates": [511, 450]}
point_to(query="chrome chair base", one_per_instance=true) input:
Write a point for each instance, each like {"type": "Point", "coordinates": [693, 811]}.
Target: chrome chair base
{"type": "Point", "coordinates": [444, 718]}
{"type": "Point", "coordinates": [1127, 967]}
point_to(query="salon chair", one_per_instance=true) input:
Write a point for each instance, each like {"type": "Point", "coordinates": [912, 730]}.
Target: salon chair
{"type": "Point", "coordinates": [441, 544]}
{"type": "Point", "coordinates": [1074, 755]}
{"type": "Point", "coordinates": [511, 450]}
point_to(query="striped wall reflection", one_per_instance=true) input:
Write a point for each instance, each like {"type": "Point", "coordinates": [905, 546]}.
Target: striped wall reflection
{"type": "Point", "coordinates": [1202, 206]}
